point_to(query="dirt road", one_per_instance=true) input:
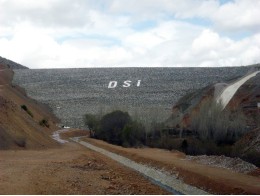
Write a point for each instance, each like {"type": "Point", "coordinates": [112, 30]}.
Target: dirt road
{"type": "Point", "coordinates": [74, 169]}
{"type": "Point", "coordinates": [71, 169]}
{"type": "Point", "coordinates": [212, 179]}
{"type": "Point", "coordinates": [162, 178]}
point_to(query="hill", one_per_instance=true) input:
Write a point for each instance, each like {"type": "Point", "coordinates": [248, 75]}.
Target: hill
{"type": "Point", "coordinates": [246, 96]}
{"type": "Point", "coordinates": [20, 116]}
{"type": "Point", "coordinates": [225, 113]}
{"type": "Point", "coordinates": [11, 64]}
{"type": "Point", "coordinates": [237, 95]}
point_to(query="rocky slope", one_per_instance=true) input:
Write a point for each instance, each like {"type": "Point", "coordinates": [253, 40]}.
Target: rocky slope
{"type": "Point", "coordinates": [19, 127]}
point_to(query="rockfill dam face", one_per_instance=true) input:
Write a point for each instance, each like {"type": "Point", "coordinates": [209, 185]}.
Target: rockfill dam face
{"type": "Point", "coordinates": [71, 93]}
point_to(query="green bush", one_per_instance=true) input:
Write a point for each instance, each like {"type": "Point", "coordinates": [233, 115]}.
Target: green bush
{"type": "Point", "coordinates": [116, 127]}
{"type": "Point", "coordinates": [44, 123]}
{"type": "Point", "coordinates": [133, 134]}
{"type": "Point", "coordinates": [24, 107]}
{"type": "Point", "coordinates": [91, 121]}
{"type": "Point", "coordinates": [112, 125]}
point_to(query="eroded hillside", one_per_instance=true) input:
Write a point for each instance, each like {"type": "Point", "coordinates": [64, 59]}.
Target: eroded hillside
{"type": "Point", "coordinates": [20, 117]}
{"type": "Point", "coordinates": [210, 127]}
{"type": "Point", "coordinates": [246, 98]}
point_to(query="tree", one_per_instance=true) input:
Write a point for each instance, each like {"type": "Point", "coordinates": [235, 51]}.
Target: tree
{"type": "Point", "coordinates": [133, 134]}
{"type": "Point", "coordinates": [92, 122]}
{"type": "Point", "coordinates": [112, 125]}
{"type": "Point", "coordinates": [116, 127]}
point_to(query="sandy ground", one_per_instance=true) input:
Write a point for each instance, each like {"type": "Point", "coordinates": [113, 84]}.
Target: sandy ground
{"type": "Point", "coordinates": [212, 179]}
{"type": "Point", "coordinates": [71, 169]}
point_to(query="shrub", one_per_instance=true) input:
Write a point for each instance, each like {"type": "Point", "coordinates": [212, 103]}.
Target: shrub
{"type": "Point", "coordinates": [221, 126]}
{"type": "Point", "coordinates": [252, 156]}
{"type": "Point", "coordinates": [112, 125]}
{"type": "Point", "coordinates": [44, 123]}
{"type": "Point", "coordinates": [133, 134]}
{"type": "Point", "coordinates": [30, 113]}
{"type": "Point", "coordinates": [91, 121]}
{"type": "Point", "coordinates": [24, 107]}
{"type": "Point", "coordinates": [116, 127]}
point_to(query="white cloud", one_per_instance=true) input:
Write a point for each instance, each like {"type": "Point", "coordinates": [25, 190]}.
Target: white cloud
{"type": "Point", "coordinates": [240, 15]}
{"type": "Point", "coordinates": [236, 15]}
{"type": "Point", "coordinates": [62, 33]}
{"type": "Point", "coordinates": [209, 49]}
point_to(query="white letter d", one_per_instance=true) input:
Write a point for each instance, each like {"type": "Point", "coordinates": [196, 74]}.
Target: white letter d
{"type": "Point", "coordinates": [112, 84]}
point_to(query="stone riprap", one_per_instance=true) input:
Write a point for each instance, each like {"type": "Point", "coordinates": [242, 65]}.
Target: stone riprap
{"type": "Point", "coordinates": [71, 93]}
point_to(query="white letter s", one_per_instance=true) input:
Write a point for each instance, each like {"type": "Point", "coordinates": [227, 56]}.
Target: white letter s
{"type": "Point", "coordinates": [127, 83]}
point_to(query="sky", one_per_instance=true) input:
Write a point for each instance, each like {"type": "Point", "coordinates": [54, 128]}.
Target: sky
{"type": "Point", "coordinates": [130, 33]}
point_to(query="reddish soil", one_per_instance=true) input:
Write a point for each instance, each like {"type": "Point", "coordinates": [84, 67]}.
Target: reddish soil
{"type": "Point", "coordinates": [20, 129]}
{"type": "Point", "coordinates": [212, 179]}
{"type": "Point", "coordinates": [71, 169]}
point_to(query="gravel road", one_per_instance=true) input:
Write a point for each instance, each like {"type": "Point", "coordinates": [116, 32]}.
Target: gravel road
{"type": "Point", "coordinates": [173, 184]}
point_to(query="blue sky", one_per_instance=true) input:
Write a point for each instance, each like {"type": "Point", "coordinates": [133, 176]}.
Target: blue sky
{"type": "Point", "coordinates": [119, 33]}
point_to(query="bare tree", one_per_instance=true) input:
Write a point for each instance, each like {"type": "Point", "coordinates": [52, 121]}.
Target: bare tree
{"type": "Point", "coordinates": [222, 126]}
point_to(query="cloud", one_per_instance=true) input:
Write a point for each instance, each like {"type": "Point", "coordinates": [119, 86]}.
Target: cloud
{"type": "Point", "coordinates": [240, 15]}
{"type": "Point", "coordinates": [49, 13]}
{"type": "Point", "coordinates": [237, 15]}
{"type": "Point", "coordinates": [63, 33]}
{"type": "Point", "coordinates": [209, 49]}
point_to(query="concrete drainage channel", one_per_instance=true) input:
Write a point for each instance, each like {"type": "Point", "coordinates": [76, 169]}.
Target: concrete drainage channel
{"type": "Point", "coordinates": [164, 180]}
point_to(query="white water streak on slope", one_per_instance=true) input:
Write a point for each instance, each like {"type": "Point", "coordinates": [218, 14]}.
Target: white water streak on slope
{"type": "Point", "coordinates": [231, 89]}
